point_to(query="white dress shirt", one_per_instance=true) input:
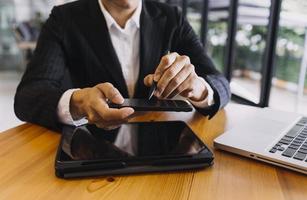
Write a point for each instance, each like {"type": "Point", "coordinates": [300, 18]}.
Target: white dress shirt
{"type": "Point", "coordinates": [126, 43]}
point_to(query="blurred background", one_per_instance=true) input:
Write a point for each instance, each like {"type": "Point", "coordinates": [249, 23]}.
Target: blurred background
{"type": "Point", "coordinates": [260, 46]}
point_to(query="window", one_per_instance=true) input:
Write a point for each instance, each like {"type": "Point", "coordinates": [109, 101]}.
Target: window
{"type": "Point", "coordinates": [251, 35]}
{"type": "Point", "coordinates": [289, 91]}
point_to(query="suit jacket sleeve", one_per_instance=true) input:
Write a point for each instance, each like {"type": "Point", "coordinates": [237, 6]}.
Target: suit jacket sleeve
{"type": "Point", "coordinates": [187, 43]}
{"type": "Point", "coordinates": [40, 89]}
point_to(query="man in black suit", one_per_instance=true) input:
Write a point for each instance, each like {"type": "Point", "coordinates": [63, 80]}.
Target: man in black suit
{"type": "Point", "coordinates": [90, 51]}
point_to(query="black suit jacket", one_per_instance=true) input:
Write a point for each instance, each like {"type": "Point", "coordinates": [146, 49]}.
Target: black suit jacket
{"type": "Point", "coordinates": [74, 50]}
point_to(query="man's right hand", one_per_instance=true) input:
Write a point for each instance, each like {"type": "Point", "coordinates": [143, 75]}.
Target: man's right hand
{"type": "Point", "coordinates": [92, 104]}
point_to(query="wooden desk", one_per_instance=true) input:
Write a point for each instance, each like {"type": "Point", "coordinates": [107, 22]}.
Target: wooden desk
{"type": "Point", "coordinates": [27, 156]}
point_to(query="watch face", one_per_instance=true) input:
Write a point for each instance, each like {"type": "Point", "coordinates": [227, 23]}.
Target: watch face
{"type": "Point", "coordinates": [130, 141]}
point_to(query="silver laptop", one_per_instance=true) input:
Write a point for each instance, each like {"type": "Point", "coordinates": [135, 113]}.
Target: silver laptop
{"type": "Point", "coordinates": [270, 136]}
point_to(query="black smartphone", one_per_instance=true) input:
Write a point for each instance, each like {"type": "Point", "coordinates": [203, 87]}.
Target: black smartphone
{"type": "Point", "coordinates": [154, 105]}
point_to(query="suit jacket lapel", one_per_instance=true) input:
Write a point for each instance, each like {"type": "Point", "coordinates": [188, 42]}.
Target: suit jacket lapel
{"type": "Point", "coordinates": [99, 39]}
{"type": "Point", "coordinates": [151, 46]}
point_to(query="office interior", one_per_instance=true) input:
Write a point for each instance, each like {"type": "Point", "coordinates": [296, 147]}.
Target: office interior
{"type": "Point", "coordinates": [260, 46]}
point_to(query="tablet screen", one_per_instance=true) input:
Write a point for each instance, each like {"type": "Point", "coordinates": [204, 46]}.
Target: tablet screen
{"type": "Point", "coordinates": [142, 140]}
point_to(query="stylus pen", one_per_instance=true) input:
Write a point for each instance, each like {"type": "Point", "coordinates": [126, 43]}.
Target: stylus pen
{"type": "Point", "coordinates": [154, 85]}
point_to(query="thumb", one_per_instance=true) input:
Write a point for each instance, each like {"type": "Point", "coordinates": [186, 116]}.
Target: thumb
{"type": "Point", "coordinates": [148, 80]}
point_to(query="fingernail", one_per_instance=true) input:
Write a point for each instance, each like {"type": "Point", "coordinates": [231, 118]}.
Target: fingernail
{"type": "Point", "coordinates": [129, 112]}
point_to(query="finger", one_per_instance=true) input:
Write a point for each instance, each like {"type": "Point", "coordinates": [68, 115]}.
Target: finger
{"type": "Point", "coordinates": [178, 80]}
{"type": "Point", "coordinates": [111, 114]}
{"type": "Point", "coordinates": [184, 89]}
{"type": "Point", "coordinates": [148, 80]}
{"type": "Point", "coordinates": [108, 114]}
{"type": "Point", "coordinates": [111, 93]}
{"type": "Point", "coordinates": [165, 63]}
{"type": "Point", "coordinates": [170, 73]}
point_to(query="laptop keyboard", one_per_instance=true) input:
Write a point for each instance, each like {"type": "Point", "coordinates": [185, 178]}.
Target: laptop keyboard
{"type": "Point", "coordinates": [294, 143]}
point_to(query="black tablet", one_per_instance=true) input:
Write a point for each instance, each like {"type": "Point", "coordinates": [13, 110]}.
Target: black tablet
{"type": "Point", "coordinates": [88, 151]}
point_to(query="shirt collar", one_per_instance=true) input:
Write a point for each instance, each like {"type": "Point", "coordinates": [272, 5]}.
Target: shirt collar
{"type": "Point", "coordinates": [110, 20]}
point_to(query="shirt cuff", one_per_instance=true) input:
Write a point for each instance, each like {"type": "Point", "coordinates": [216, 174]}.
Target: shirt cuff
{"type": "Point", "coordinates": [63, 110]}
{"type": "Point", "coordinates": [209, 101]}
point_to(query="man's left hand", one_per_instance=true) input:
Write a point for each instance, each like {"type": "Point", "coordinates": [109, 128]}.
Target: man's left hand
{"type": "Point", "coordinates": [176, 75]}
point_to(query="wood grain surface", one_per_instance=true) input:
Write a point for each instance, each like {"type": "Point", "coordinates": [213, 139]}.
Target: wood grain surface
{"type": "Point", "coordinates": [27, 156]}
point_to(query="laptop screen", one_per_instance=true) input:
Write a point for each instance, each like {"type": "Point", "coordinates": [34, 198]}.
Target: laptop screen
{"type": "Point", "coordinates": [142, 140]}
